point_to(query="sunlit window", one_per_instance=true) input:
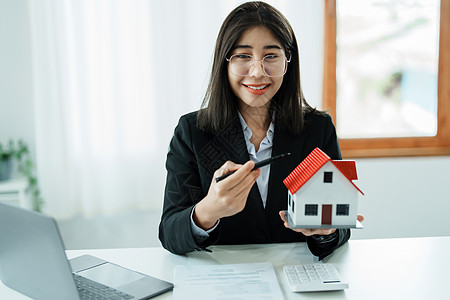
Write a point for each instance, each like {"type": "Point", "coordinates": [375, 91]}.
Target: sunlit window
{"type": "Point", "coordinates": [387, 68]}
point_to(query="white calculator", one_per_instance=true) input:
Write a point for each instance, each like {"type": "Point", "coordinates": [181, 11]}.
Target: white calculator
{"type": "Point", "coordinates": [313, 277]}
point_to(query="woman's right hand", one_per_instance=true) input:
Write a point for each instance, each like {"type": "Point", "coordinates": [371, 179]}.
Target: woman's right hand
{"type": "Point", "coordinates": [228, 196]}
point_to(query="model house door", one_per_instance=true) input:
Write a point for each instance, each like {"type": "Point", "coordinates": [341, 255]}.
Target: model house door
{"type": "Point", "coordinates": [326, 214]}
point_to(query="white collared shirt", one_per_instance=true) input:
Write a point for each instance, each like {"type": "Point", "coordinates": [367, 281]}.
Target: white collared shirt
{"type": "Point", "coordinates": [264, 152]}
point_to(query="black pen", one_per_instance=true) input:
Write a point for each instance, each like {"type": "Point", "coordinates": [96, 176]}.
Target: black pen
{"type": "Point", "coordinates": [257, 165]}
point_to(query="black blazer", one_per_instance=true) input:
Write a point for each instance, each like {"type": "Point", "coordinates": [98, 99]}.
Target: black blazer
{"type": "Point", "coordinates": [193, 157]}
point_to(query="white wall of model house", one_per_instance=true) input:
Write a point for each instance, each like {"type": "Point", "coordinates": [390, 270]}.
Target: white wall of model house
{"type": "Point", "coordinates": [317, 192]}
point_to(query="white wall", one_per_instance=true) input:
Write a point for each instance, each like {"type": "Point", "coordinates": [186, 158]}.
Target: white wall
{"type": "Point", "coordinates": [404, 196]}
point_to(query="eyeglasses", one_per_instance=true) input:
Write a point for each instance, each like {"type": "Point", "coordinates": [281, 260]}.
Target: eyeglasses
{"type": "Point", "coordinates": [273, 65]}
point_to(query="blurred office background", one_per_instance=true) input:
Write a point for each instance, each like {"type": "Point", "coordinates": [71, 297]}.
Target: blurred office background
{"type": "Point", "coordinates": [95, 88]}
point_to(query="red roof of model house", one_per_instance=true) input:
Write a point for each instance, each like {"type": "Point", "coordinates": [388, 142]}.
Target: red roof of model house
{"type": "Point", "coordinates": [311, 164]}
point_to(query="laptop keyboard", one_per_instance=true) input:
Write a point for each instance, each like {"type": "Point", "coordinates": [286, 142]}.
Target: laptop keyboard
{"type": "Point", "coordinates": [88, 289]}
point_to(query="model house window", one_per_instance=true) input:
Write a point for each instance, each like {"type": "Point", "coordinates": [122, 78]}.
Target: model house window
{"type": "Point", "coordinates": [311, 209]}
{"type": "Point", "coordinates": [328, 177]}
{"type": "Point", "coordinates": [289, 199]}
{"type": "Point", "coordinates": [342, 209]}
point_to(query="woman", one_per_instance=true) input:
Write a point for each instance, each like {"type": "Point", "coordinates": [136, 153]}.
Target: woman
{"type": "Point", "coordinates": [253, 109]}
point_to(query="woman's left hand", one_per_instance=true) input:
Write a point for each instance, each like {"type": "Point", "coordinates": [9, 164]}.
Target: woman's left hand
{"type": "Point", "coordinates": [309, 232]}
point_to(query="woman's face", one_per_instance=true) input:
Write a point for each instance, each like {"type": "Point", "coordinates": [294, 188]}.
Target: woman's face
{"type": "Point", "coordinates": [256, 89]}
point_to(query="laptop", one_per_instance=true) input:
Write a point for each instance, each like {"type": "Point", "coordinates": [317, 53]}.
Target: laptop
{"type": "Point", "coordinates": [33, 262]}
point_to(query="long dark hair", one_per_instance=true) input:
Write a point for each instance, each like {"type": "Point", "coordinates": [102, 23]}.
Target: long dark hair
{"type": "Point", "coordinates": [220, 105]}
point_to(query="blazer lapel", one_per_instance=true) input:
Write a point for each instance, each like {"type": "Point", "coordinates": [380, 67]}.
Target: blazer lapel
{"type": "Point", "coordinates": [229, 144]}
{"type": "Point", "coordinates": [233, 142]}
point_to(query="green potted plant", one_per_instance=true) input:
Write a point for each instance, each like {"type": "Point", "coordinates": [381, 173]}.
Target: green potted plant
{"type": "Point", "coordinates": [19, 152]}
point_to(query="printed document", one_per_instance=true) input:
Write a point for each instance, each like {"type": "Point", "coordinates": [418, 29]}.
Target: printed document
{"type": "Point", "coordinates": [225, 282]}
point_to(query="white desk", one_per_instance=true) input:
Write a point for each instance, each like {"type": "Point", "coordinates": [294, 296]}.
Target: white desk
{"type": "Point", "coordinates": [408, 268]}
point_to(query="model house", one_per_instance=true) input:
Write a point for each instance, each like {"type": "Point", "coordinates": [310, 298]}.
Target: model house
{"type": "Point", "coordinates": [322, 192]}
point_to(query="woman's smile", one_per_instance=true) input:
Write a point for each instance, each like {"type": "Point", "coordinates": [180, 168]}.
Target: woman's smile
{"type": "Point", "coordinates": [257, 89]}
